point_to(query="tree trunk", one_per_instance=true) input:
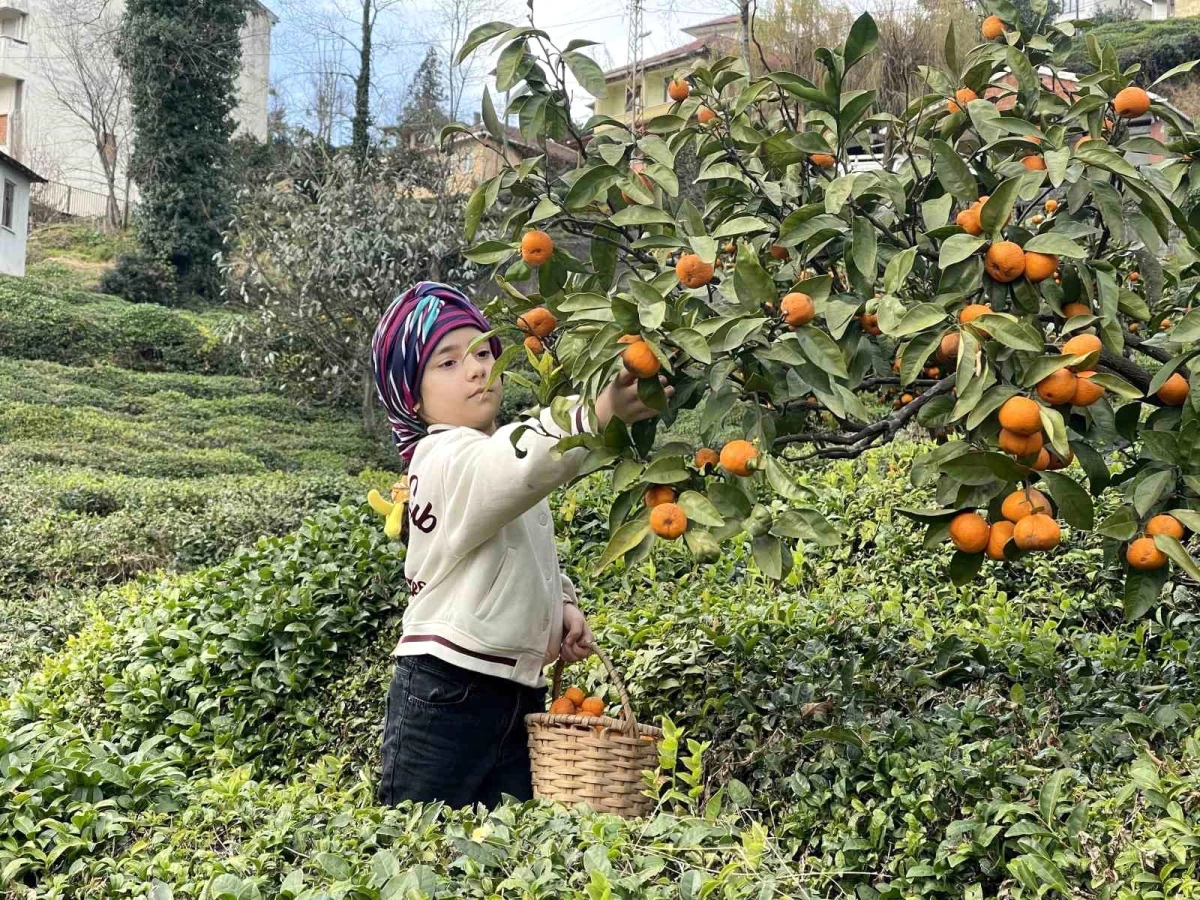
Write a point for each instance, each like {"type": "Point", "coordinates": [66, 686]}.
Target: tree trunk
{"type": "Point", "coordinates": [368, 401]}
{"type": "Point", "coordinates": [744, 12]}
{"type": "Point", "coordinates": [362, 93]}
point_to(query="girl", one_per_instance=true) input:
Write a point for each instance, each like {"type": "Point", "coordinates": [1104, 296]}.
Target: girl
{"type": "Point", "coordinates": [489, 607]}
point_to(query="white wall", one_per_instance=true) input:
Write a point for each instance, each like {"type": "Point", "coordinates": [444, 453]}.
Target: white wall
{"type": "Point", "coordinates": [62, 148]}
{"type": "Point", "coordinates": [12, 241]}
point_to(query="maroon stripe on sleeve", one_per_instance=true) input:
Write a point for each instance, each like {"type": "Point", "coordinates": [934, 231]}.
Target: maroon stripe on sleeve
{"type": "Point", "coordinates": [445, 642]}
{"type": "Point", "coordinates": [579, 419]}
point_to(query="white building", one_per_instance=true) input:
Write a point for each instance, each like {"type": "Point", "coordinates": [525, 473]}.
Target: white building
{"type": "Point", "coordinates": [37, 130]}
{"type": "Point", "coordinates": [15, 180]}
{"type": "Point", "coordinates": [1136, 9]}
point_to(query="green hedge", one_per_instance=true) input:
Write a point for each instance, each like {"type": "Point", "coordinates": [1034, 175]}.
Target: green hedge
{"type": "Point", "coordinates": [878, 732]}
{"type": "Point", "coordinates": [109, 473]}
{"type": "Point", "coordinates": [1142, 41]}
{"type": "Point", "coordinates": [41, 320]}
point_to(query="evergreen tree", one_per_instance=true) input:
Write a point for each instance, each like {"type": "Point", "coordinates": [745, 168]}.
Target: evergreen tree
{"type": "Point", "coordinates": [182, 62]}
{"type": "Point", "coordinates": [424, 115]}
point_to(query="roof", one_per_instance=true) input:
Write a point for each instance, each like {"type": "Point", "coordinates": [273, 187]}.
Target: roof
{"type": "Point", "coordinates": [553, 148]}
{"type": "Point", "coordinates": [712, 25]}
{"type": "Point", "coordinates": [271, 17]}
{"type": "Point", "coordinates": [22, 168]}
{"type": "Point", "coordinates": [701, 46]}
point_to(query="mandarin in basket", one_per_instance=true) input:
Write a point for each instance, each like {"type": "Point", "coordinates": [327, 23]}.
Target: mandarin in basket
{"type": "Point", "coordinates": [592, 706]}
{"type": "Point", "coordinates": [562, 706]}
{"type": "Point", "coordinates": [574, 694]}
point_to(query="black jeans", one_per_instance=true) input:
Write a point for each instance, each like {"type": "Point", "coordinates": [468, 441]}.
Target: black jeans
{"type": "Point", "coordinates": [454, 735]}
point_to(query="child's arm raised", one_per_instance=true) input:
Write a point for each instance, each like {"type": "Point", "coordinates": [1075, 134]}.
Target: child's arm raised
{"type": "Point", "coordinates": [487, 485]}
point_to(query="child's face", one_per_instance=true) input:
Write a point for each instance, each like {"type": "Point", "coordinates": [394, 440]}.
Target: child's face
{"type": "Point", "coordinates": [452, 386]}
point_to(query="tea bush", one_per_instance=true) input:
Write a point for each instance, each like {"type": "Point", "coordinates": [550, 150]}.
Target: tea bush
{"type": "Point", "coordinates": [109, 473]}
{"type": "Point", "coordinates": [868, 729]}
{"type": "Point", "coordinates": [46, 321]}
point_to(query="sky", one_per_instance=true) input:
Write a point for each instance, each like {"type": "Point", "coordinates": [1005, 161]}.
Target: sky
{"type": "Point", "coordinates": [294, 54]}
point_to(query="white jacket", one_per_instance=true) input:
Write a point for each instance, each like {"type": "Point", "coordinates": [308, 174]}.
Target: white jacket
{"type": "Point", "coordinates": [486, 591]}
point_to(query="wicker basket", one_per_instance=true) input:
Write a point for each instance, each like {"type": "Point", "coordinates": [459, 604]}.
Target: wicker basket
{"type": "Point", "coordinates": [596, 760]}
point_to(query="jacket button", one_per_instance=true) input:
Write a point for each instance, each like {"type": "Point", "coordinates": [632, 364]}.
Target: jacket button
{"type": "Point", "coordinates": [543, 518]}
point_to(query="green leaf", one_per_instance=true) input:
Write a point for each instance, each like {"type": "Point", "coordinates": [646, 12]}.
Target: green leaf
{"type": "Point", "coordinates": [953, 173]}
{"type": "Point", "coordinates": [623, 540]}
{"type": "Point", "coordinates": [958, 247]}
{"type": "Point", "coordinates": [1045, 366]}
{"type": "Point", "coordinates": [864, 249]}
{"type": "Point", "coordinates": [914, 354]}
{"type": "Point", "coordinates": [699, 509]}
{"type": "Point", "coordinates": [1117, 385]}
{"type": "Point", "coordinates": [1055, 245]}
{"type": "Point", "coordinates": [838, 191]}
{"type": "Point", "coordinates": [782, 480]}
{"type": "Point", "coordinates": [742, 225]}
{"type": "Point", "coordinates": [1177, 554]}
{"type": "Point", "coordinates": [768, 556]}
{"type": "Point", "coordinates": [489, 252]}
{"type": "Point", "coordinates": [479, 35]}
{"type": "Point", "coordinates": [897, 270]}
{"type": "Point", "coordinates": [1072, 500]}
{"type": "Point", "coordinates": [1142, 590]}
{"type": "Point", "coordinates": [863, 37]}
{"type": "Point", "coordinates": [693, 344]}
{"type": "Point", "coordinates": [1177, 70]}
{"type": "Point", "coordinates": [545, 209]}
{"type": "Point", "coordinates": [964, 567]}
{"type": "Point", "coordinates": [1189, 517]}
{"type": "Point", "coordinates": [983, 467]}
{"type": "Point", "coordinates": [754, 286]}
{"type": "Point", "coordinates": [821, 350]}
{"type": "Point", "coordinates": [807, 524]}
{"type": "Point", "coordinates": [920, 317]}
{"type": "Point", "coordinates": [589, 75]}
{"type": "Point", "coordinates": [1051, 795]}
{"type": "Point", "coordinates": [1121, 525]}
{"type": "Point", "coordinates": [591, 185]}
{"type": "Point", "coordinates": [641, 215]}
{"type": "Point", "coordinates": [1099, 154]}
{"type": "Point", "coordinates": [989, 403]}
{"type": "Point", "coordinates": [1152, 489]}
{"type": "Point", "coordinates": [1187, 329]}
{"type": "Point", "coordinates": [490, 119]}
{"type": "Point", "coordinates": [474, 211]}
{"type": "Point", "coordinates": [999, 205]}
{"type": "Point", "coordinates": [509, 64]}
{"type": "Point", "coordinates": [1018, 335]}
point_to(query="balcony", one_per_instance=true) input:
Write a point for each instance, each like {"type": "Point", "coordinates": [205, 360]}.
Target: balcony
{"type": "Point", "coordinates": [14, 58]}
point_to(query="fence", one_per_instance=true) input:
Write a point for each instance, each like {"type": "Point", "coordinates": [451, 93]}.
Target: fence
{"type": "Point", "coordinates": [54, 202]}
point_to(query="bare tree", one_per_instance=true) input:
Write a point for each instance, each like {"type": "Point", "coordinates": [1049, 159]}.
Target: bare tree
{"type": "Point", "coordinates": [361, 28]}
{"type": "Point", "coordinates": [81, 69]}
{"type": "Point", "coordinates": [327, 96]}
{"type": "Point", "coordinates": [452, 22]}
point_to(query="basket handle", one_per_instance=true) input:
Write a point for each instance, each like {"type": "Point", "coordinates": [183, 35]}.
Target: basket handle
{"type": "Point", "coordinates": [630, 721]}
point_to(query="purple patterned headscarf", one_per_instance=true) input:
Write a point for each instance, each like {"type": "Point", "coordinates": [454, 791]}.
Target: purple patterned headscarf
{"type": "Point", "coordinates": [404, 339]}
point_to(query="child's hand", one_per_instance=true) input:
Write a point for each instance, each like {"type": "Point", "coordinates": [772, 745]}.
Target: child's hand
{"type": "Point", "coordinates": [577, 637]}
{"type": "Point", "coordinates": [621, 399]}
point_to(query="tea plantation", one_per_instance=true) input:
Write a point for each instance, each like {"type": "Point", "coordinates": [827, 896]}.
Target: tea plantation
{"type": "Point", "coordinates": [198, 610]}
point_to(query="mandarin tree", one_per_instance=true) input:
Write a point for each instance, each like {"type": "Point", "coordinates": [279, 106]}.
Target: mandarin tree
{"type": "Point", "coordinates": [932, 274]}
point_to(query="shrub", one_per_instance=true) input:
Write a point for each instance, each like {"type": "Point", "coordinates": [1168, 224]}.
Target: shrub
{"type": "Point", "coordinates": [141, 279]}
{"type": "Point", "coordinates": [39, 321]}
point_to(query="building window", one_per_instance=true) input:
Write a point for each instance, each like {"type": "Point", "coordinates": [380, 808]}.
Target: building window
{"type": "Point", "coordinates": [4, 129]}
{"type": "Point", "coordinates": [466, 161]}
{"type": "Point", "coordinates": [666, 89]}
{"type": "Point", "coordinates": [10, 194]}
